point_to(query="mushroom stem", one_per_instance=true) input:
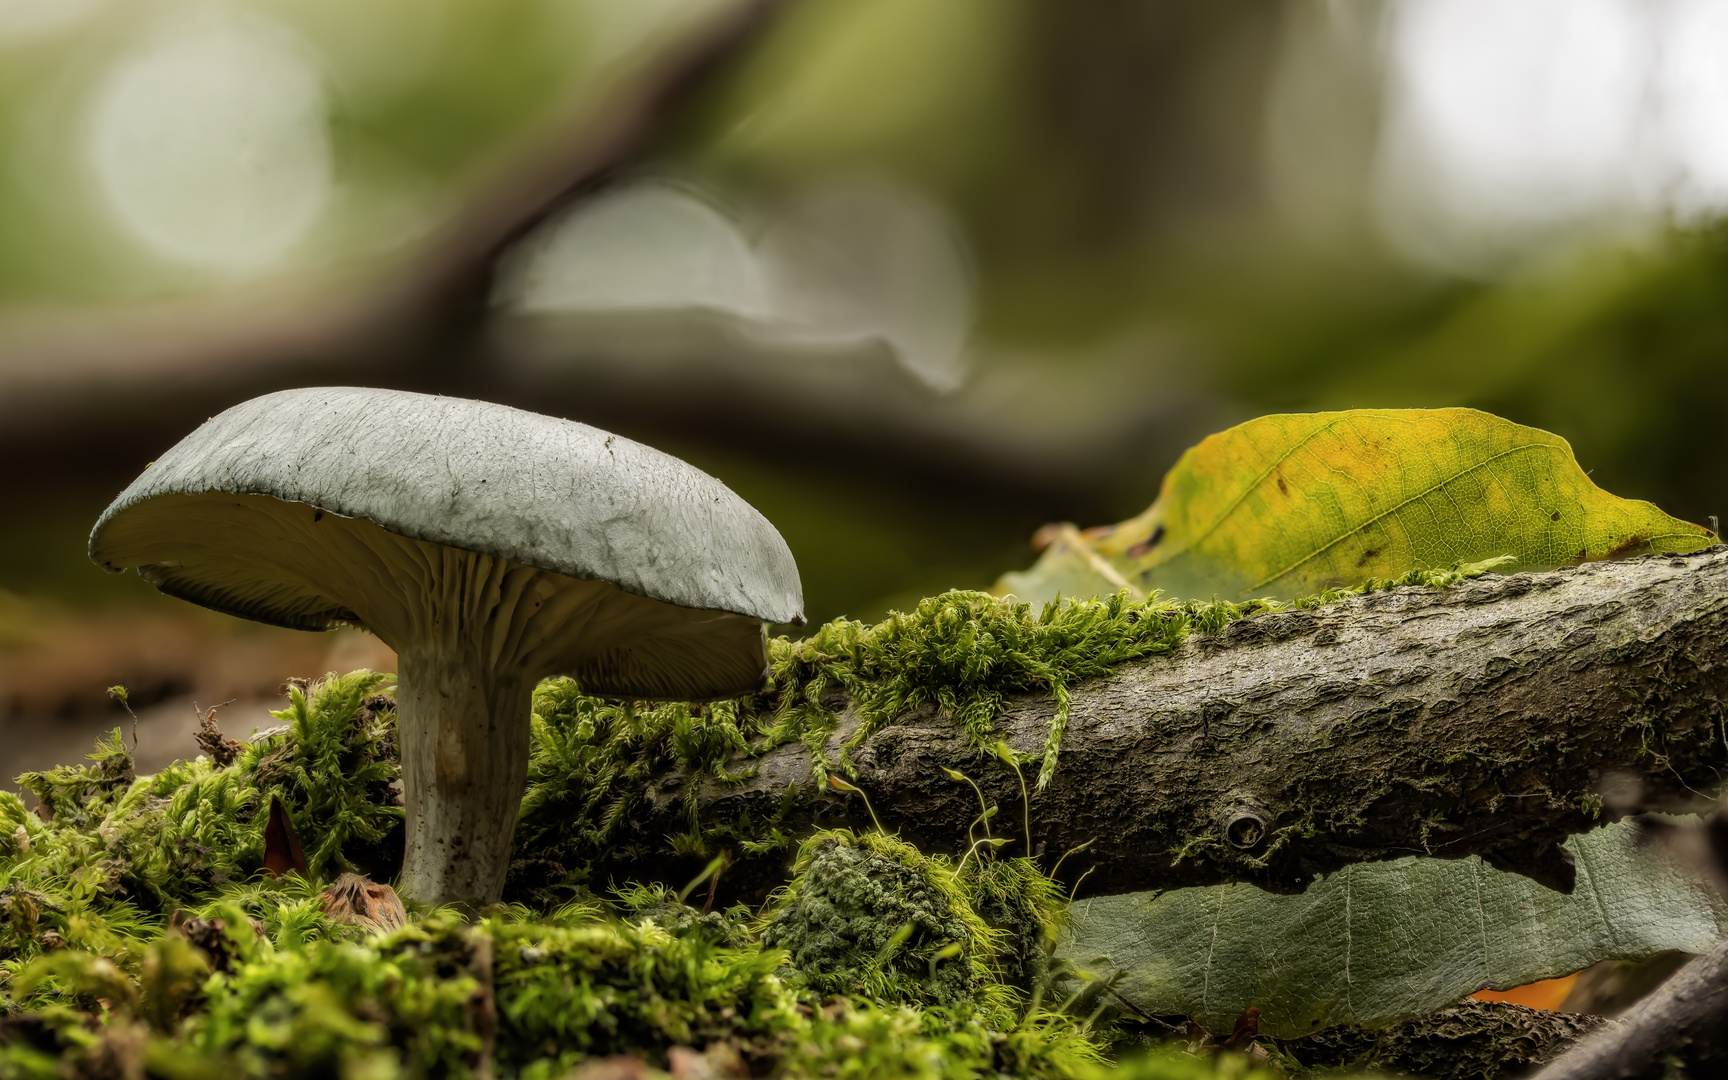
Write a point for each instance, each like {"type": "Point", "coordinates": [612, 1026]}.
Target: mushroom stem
{"type": "Point", "coordinates": [464, 733]}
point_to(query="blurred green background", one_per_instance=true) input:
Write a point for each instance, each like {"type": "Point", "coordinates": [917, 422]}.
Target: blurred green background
{"type": "Point", "coordinates": [912, 278]}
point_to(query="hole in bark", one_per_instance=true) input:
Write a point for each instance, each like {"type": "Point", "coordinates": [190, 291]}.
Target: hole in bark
{"type": "Point", "coordinates": [1244, 829]}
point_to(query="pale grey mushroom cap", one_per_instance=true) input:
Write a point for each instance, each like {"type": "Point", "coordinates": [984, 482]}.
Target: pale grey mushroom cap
{"type": "Point", "coordinates": [532, 490]}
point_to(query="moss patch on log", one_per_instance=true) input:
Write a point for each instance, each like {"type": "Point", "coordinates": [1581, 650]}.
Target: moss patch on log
{"type": "Point", "coordinates": [966, 654]}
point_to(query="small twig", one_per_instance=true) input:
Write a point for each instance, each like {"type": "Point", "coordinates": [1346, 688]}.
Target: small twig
{"type": "Point", "coordinates": [714, 883]}
{"type": "Point", "coordinates": [222, 750]}
{"type": "Point", "coordinates": [1138, 1011]}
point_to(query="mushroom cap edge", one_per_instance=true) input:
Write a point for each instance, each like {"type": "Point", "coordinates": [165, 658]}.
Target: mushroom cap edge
{"type": "Point", "coordinates": [541, 491]}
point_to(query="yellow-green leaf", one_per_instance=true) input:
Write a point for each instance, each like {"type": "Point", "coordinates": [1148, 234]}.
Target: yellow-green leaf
{"type": "Point", "coordinates": [1289, 505]}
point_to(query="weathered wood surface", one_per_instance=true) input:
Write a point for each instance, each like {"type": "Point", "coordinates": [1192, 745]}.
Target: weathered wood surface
{"type": "Point", "coordinates": [1685, 1021]}
{"type": "Point", "coordinates": [1481, 719]}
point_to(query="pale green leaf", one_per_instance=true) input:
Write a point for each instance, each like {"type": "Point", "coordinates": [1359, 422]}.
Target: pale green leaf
{"type": "Point", "coordinates": [1290, 505]}
{"type": "Point", "coordinates": [1376, 943]}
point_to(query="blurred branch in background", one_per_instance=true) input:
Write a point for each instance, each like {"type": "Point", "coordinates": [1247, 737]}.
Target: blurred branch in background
{"type": "Point", "coordinates": [1026, 441]}
{"type": "Point", "coordinates": [914, 280]}
{"type": "Point", "coordinates": [430, 307]}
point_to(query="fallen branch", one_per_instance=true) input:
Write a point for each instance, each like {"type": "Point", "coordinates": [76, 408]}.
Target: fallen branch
{"type": "Point", "coordinates": [1469, 1039]}
{"type": "Point", "coordinates": [1480, 719]}
{"type": "Point", "coordinates": [1685, 1020]}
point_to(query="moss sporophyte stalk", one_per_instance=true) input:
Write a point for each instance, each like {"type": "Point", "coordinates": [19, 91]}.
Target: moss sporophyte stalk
{"type": "Point", "coordinates": [136, 928]}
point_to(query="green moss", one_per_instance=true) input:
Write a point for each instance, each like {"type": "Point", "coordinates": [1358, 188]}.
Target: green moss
{"type": "Point", "coordinates": [436, 999]}
{"type": "Point", "coordinates": [1028, 908]}
{"type": "Point", "coordinates": [850, 1038]}
{"type": "Point", "coordinates": [515, 998]}
{"type": "Point", "coordinates": [111, 854]}
{"type": "Point", "coordinates": [517, 994]}
{"type": "Point", "coordinates": [336, 768]}
{"type": "Point", "coordinates": [258, 982]}
{"type": "Point", "coordinates": [869, 914]}
{"type": "Point", "coordinates": [658, 904]}
{"type": "Point", "coordinates": [964, 653]}
{"type": "Point", "coordinates": [79, 796]}
{"type": "Point", "coordinates": [874, 960]}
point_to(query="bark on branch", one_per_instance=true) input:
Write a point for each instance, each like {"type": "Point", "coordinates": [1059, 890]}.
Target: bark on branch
{"type": "Point", "coordinates": [1684, 1021]}
{"type": "Point", "coordinates": [1479, 719]}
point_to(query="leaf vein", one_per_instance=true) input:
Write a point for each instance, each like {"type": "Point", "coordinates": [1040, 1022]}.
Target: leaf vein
{"type": "Point", "coordinates": [1420, 495]}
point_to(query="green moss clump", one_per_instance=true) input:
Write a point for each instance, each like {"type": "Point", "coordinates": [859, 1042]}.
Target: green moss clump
{"type": "Point", "coordinates": [616, 986]}
{"type": "Point", "coordinates": [518, 994]}
{"type": "Point", "coordinates": [439, 998]}
{"type": "Point", "coordinates": [521, 999]}
{"type": "Point", "coordinates": [852, 1038]}
{"type": "Point", "coordinates": [80, 796]}
{"type": "Point", "coordinates": [658, 904]}
{"type": "Point", "coordinates": [1028, 908]}
{"type": "Point", "coordinates": [111, 854]}
{"type": "Point", "coordinates": [870, 914]}
{"type": "Point", "coordinates": [966, 653]}
{"type": "Point", "coordinates": [337, 769]}
{"type": "Point", "coordinates": [588, 767]}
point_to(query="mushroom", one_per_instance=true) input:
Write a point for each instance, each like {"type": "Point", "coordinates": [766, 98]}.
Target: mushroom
{"type": "Point", "coordinates": [490, 547]}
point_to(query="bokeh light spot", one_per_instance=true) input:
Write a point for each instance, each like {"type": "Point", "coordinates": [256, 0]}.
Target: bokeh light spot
{"type": "Point", "coordinates": [848, 263]}
{"type": "Point", "coordinates": [30, 20]}
{"type": "Point", "coordinates": [209, 142]}
{"type": "Point", "coordinates": [862, 258]}
{"type": "Point", "coordinates": [648, 245]}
